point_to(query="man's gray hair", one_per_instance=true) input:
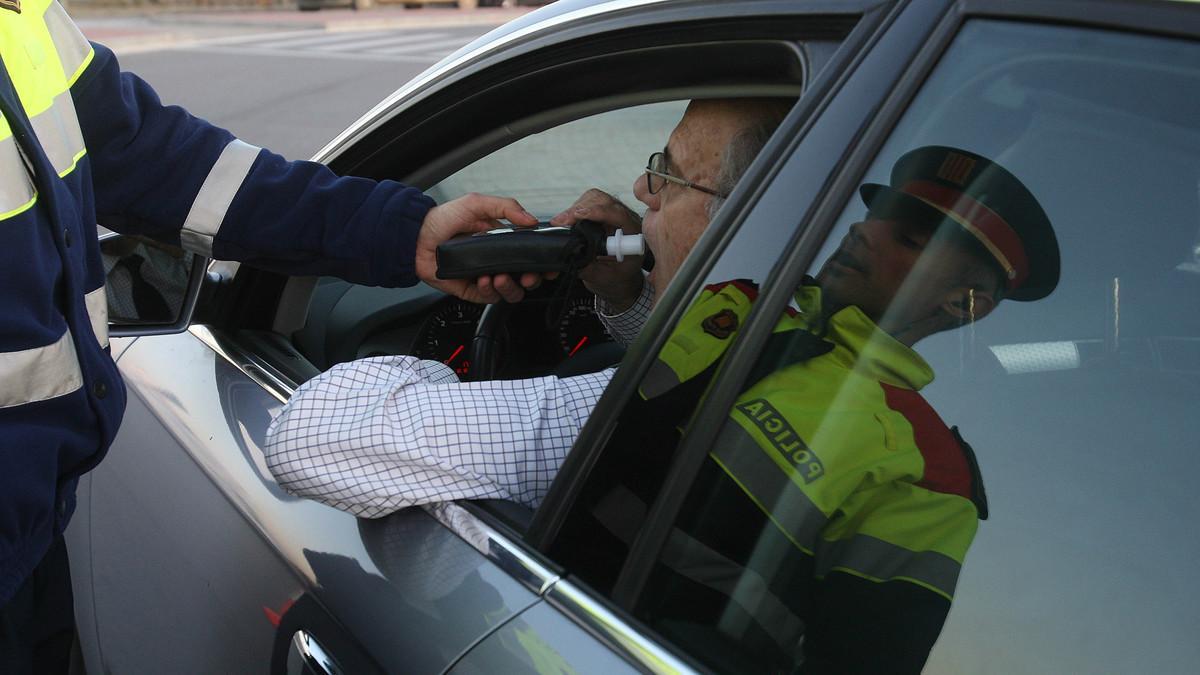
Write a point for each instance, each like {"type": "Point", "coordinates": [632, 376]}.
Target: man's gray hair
{"type": "Point", "coordinates": [742, 149]}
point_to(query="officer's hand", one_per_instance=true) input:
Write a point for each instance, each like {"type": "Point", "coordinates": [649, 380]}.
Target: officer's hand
{"type": "Point", "coordinates": [618, 283]}
{"type": "Point", "coordinates": [467, 215]}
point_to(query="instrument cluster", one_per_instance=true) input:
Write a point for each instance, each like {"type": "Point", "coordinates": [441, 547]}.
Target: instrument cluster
{"type": "Point", "coordinates": [529, 345]}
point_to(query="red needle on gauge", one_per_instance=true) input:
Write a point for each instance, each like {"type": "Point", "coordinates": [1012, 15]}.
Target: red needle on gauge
{"type": "Point", "coordinates": [582, 341]}
{"type": "Point", "coordinates": [455, 354]}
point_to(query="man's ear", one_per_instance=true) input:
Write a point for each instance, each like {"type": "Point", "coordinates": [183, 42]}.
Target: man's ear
{"type": "Point", "coordinates": [965, 303]}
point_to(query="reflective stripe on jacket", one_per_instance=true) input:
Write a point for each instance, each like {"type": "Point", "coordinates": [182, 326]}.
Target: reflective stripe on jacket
{"type": "Point", "coordinates": [82, 143]}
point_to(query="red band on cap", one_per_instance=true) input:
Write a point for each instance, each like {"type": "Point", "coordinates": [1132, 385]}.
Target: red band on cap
{"type": "Point", "coordinates": [985, 224]}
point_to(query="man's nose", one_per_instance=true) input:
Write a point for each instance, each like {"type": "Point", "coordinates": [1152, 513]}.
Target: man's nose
{"type": "Point", "coordinates": [641, 192]}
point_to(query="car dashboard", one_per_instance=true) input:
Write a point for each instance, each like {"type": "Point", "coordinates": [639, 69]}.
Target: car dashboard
{"type": "Point", "coordinates": [535, 337]}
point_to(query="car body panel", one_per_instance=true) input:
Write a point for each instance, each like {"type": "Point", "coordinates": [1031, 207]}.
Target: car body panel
{"type": "Point", "coordinates": [541, 639]}
{"type": "Point", "coordinates": [248, 547]}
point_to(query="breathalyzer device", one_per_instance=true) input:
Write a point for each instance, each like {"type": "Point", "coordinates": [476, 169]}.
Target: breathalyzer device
{"type": "Point", "coordinates": [543, 248]}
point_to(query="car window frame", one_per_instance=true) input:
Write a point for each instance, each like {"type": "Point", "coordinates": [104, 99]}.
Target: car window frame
{"type": "Point", "coordinates": [284, 301]}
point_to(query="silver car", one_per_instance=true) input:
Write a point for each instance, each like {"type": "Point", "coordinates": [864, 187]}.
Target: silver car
{"type": "Point", "coordinates": [1083, 408]}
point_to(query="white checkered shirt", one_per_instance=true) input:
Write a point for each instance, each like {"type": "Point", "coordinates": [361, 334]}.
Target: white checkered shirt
{"type": "Point", "coordinates": [624, 327]}
{"type": "Point", "coordinates": [380, 434]}
{"type": "Point", "coordinates": [377, 435]}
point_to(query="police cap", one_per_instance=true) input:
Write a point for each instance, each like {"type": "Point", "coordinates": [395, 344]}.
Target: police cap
{"type": "Point", "coordinates": [935, 184]}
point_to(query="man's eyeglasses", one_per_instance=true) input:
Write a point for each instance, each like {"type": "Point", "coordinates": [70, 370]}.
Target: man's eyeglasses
{"type": "Point", "coordinates": [657, 177]}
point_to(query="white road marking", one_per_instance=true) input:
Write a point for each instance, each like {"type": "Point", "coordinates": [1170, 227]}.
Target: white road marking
{"type": "Point", "coordinates": [350, 56]}
{"type": "Point", "coordinates": [446, 46]}
{"type": "Point", "coordinates": [403, 45]}
{"type": "Point", "coordinates": [315, 41]}
{"type": "Point", "coordinates": [390, 40]}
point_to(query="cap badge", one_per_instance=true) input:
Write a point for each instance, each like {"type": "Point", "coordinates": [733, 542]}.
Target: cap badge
{"type": "Point", "coordinates": [955, 168]}
{"type": "Point", "coordinates": [721, 325]}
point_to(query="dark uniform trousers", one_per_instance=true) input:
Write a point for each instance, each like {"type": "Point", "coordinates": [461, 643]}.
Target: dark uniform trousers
{"type": "Point", "coordinates": [37, 626]}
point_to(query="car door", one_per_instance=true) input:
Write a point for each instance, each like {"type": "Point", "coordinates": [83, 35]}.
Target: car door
{"type": "Point", "coordinates": [1079, 406]}
{"type": "Point", "coordinates": [198, 561]}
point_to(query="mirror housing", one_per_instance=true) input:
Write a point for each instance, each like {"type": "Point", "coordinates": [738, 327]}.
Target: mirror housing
{"type": "Point", "coordinates": [151, 288]}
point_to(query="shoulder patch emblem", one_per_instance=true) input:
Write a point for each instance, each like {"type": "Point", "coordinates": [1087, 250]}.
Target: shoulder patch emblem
{"type": "Point", "coordinates": [783, 438]}
{"type": "Point", "coordinates": [11, 5]}
{"type": "Point", "coordinates": [720, 325]}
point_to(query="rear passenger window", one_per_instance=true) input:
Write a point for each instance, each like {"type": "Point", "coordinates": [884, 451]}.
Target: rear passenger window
{"type": "Point", "coordinates": [1020, 508]}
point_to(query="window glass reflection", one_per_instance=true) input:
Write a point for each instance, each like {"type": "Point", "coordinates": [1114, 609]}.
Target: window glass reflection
{"type": "Point", "coordinates": [829, 523]}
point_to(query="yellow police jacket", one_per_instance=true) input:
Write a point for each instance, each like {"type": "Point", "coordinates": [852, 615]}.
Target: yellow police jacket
{"type": "Point", "coordinates": [837, 456]}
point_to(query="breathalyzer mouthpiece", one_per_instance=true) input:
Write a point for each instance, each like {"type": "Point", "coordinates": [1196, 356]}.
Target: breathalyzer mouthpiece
{"type": "Point", "coordinates": [620, 245]}
{"type": "Point", "coordinates": [543, 248]}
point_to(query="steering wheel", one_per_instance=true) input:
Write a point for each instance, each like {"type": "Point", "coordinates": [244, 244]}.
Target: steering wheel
{"type": "Point", "coordinates": [485, 346]}
{"type": "Point", "coordinates": [486, 351]}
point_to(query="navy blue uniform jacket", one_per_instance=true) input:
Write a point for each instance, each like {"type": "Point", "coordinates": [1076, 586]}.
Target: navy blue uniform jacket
{"type": "Point", "coordinates": [153, 170]}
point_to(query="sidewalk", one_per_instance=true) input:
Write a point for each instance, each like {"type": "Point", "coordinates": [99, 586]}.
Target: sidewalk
{"type": "Point", "coordinates": [134, 30]}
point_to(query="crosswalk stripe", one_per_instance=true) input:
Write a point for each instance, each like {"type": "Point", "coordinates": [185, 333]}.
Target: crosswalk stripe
{"type": "Point", "coordinates": [445, 46]}
{"type": "Point", "coordinates": [393, 39]}
{"type": "Point", "coordinates": [256, 38]}
{"type": "Point", "coordinates": [352, 56]}
{"type": "Point", "coordinates": [314, 42]}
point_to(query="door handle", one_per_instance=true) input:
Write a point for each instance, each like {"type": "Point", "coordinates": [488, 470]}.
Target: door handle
{"type": "Point", "coordinates": [313, 658]}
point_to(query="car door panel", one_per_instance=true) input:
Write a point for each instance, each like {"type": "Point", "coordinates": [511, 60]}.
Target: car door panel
{"type": "Point", "coordinates": [542, 639]}
{"type": "Point", "coordinates": [184, 515]}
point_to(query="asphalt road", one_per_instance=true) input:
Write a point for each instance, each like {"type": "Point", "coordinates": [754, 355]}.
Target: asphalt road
{"type": "Point", "coordinates": [290, 90]}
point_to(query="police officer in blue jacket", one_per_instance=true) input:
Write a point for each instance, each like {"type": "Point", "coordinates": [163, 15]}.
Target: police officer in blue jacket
{"type": "Point", "coordinates": [82, 143]}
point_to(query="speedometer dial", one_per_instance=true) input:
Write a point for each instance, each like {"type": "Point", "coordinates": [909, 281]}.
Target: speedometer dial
{"type": "Point", "coordinates": [580, 327]}
{"type": "Point", "coordinates": [446, 335]}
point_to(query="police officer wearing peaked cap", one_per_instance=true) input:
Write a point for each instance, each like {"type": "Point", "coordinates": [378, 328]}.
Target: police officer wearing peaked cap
{"type": "Point", "coordinates": [937, 184]}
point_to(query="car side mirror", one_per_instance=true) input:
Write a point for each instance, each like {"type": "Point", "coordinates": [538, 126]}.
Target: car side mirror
{"type": "Point", "coordinates": [151, 287]}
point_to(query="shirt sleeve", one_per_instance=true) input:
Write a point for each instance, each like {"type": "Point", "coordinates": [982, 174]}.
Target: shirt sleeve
{"type": "Point", "coordinates": [625, 326]}
{"type": "Point", "coordinates": [159, 171]}
{"type": "Point", "coordinates": [377, 435]}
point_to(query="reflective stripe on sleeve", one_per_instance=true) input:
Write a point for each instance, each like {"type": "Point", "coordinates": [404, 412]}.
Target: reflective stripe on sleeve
{"type": "Point", "coordinates": [74, 50]}
{"type": "Point", "coordinates": [871, 558]}
{"type": "Point", "coordinates": [776, 495]}
{"type": "Point", "coordinates": [16, 190]}
{"type": "Point", "coordinates": [215, 196]}
{"type": "Point", "coordinates": [97, 309]}
{"type": "Point", "coordinates": [40, 373]}
{"type": "Point", "coordinates": [57, 129]}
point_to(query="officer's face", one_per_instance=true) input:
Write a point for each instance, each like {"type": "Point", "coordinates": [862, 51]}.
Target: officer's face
{"type": "Point", "coordinates": [676, 215]}
{"type": "Point", "coordinates": [895, 272]}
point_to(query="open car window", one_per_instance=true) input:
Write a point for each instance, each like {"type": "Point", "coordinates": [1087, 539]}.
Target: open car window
{"type": "Point", "coordinates": [838, 516]}
{"type": "Point", "coordinates": [548, 171]}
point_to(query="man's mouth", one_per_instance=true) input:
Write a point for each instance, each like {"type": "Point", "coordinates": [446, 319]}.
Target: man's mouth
{"type": "Point", "coordinates": [845, 259]}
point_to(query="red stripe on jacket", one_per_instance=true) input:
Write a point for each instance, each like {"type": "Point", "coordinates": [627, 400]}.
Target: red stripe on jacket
{"type": "Point", "coordinates": [946, 467]}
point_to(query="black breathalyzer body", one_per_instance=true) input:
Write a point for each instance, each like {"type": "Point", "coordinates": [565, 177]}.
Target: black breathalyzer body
{"type": "Point", "coordinates": [543, 248]}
